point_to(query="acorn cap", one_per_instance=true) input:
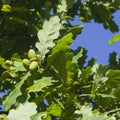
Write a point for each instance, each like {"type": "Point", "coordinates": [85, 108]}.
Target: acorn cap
{"type": "Point", "coordinates": [33, 59]}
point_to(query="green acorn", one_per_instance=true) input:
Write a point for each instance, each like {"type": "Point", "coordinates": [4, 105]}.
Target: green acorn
{"type": "Point", "coordinates": [32, 54]}
{"type": "Point", "coordinates": [26, 63]}
{"type": "Point", "coordinates": [33, 66]}
{"type": "Point", "coordinates": [9, 62]}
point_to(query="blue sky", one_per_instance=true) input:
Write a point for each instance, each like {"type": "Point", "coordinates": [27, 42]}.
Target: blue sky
{"type": "Point", "coordinates": [94, 38]}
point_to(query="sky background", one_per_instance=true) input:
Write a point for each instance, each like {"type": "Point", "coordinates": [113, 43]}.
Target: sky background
{"type": "Point", "coordinates": [94, 39]}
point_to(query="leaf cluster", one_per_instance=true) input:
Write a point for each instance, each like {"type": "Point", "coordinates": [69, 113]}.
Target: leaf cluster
{"type": "Point", "coordinates": [59, 85]}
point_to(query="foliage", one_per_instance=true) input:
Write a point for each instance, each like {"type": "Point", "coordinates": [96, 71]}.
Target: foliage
{"type": "Point", "coordinates": [18, 115]}
{"type": "Point", "coordinates": [114, 39]}
{"type": "Point", "coordinates": [46, 79]}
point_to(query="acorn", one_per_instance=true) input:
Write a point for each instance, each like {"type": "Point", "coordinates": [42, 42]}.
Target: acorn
{"type": "Point", "coordinates": [9, 62]}
{"type": "Point", "coordinates": [32, 54]}
{"type": "Point", "coordinates": [26, 63]}
{"type": "Point", "coordinates": [33, 66]}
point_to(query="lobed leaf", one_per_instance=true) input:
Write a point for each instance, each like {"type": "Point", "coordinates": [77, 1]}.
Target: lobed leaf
{"type": "Point", "coordinates": [23, 112]}
{"type": "Point", "coordinates": [77, 56]}
{"type": "Point", "coordinates": [46, 36]}
{"type": "Point", "coordinates": [114, 39]}
{"type": "Point", "coordinates": [75, 30]}
{"type": "Point", "coordinates": [11, 98]}
{"type": "Point", "coordinates": [41, 84]}
{"type": "Point", "coordinates": [18, 66]}
{"type": "Point", "coordinates": [61, 59]}
{"type": "Point", "coordinates": [6, 8]}
{"type": "Point", "coordinates": [39, 116]}
{"type": "Point", "coordinates": [87, 113]}
{"type": "Point", "coordinates": [54, 110]}
{"type": "Point", "coordinates": [2, 63]}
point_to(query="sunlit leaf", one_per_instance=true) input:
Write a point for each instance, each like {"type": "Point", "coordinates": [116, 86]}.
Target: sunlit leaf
{"type": "Point", "coordinates": [64, 65]}
{"type": "Point", "coordinates": [46, 36]}
{"type": "Point", "coordinates": [114, 39]}
{"type": "Point", "coordinates": [41, 84]}
{"type": "Point", "coordinates": [62, 7]}
{"type": "Point", "coordinates": [100, 77]}
{"type": "Point", "coordinates": [18, 66]}
{"type": "Point", "coordinates": [2, 63]}
{"type": "Point", "coordinates": [23, 112]}
{"type": "Point", "coordinates": [11, 98]}
{"type": "Point", "coordinates": [75, 30]}
{"type": "Point", "coordinates": [39, 116]}
{"type": "Point", "coordinates": [6, 8]}
{"type": "Point", "coordinates": [65, 5]}
{"type": "Point", "coordinates": [3, 117]}
{"type": "Point", "coordinates": [54, 110]}
{"type": "Point", "coordinates": [77, 56]}
{"type": "Point", "coordinates": [87, 114]}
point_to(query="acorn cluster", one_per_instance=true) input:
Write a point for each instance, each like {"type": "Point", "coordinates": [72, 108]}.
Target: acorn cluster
{"type": "Point", "coordinates": [31, 63]}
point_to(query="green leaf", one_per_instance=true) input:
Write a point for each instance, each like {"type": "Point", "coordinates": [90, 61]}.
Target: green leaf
{"type": "Point", "coordinates": [41, 84]}
{"type": "Point", "coordinates": [113, 83]}
{"type": "Point", "coordinates": [114, 76]}
{"type": "Point", "coordinates": [54, 110]}
{"type": "Point", "coordinates": [39, 116]}
{"type": "Point", "coordinates": [62, 10]}
{"type": "Point", "coordinates": [108, 92]}
{"type": "Point", "coordinates": [23, 112]}
{"type": "Point", "coordinates": [3, 117]}
{"type": "Point", "coordinates": [82, 59]}
{"type": "Point", "coordinates": [101, 14]}
{"type": "Point", "coordinates": [106, 95]}
{"type": "Point", "coordinates": [69, 3]}
{"type": "Point", "coordinates": [11, 98]}
{"type": "Point", "coordinates": [114, 61]}
{"type": "Point", "coordinates": [40, 17]}
{"type": "Point", "coordinates": [17, 19]}
{"type": "Point", "coordinates": [87, 114]}
{"type": "Point", "coordinates": [46, 36]}
{"type": "Point", "coordinates": [6, 8]}
{"type": "Point", "coordinates": [61, 60]}
{"type": "Point", "coordinates": [65, 5]}
{"type": "Point", "coordinates": [90, 95]}
{"type": "Point", "coordinates": [63, 44]}
{"type": "Point", "coordinates": [100, 76]}
{"type": "Point", "coordinates": [77, 56]}
{"type": "Point", "coordinates": [75, 30]}
{"type": "Point", "coordinates": [62, 7]}
{"type": "Point", "coordinates": [18, 66]}
{"type": "Point", "coordinates": [114, 39]}
{"type": "Point", "coordinates": [47, 118]}
{"type": "Point", "coordinates": [86, 73]}
{"type": "Point", "coordinates": [2, 63]}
